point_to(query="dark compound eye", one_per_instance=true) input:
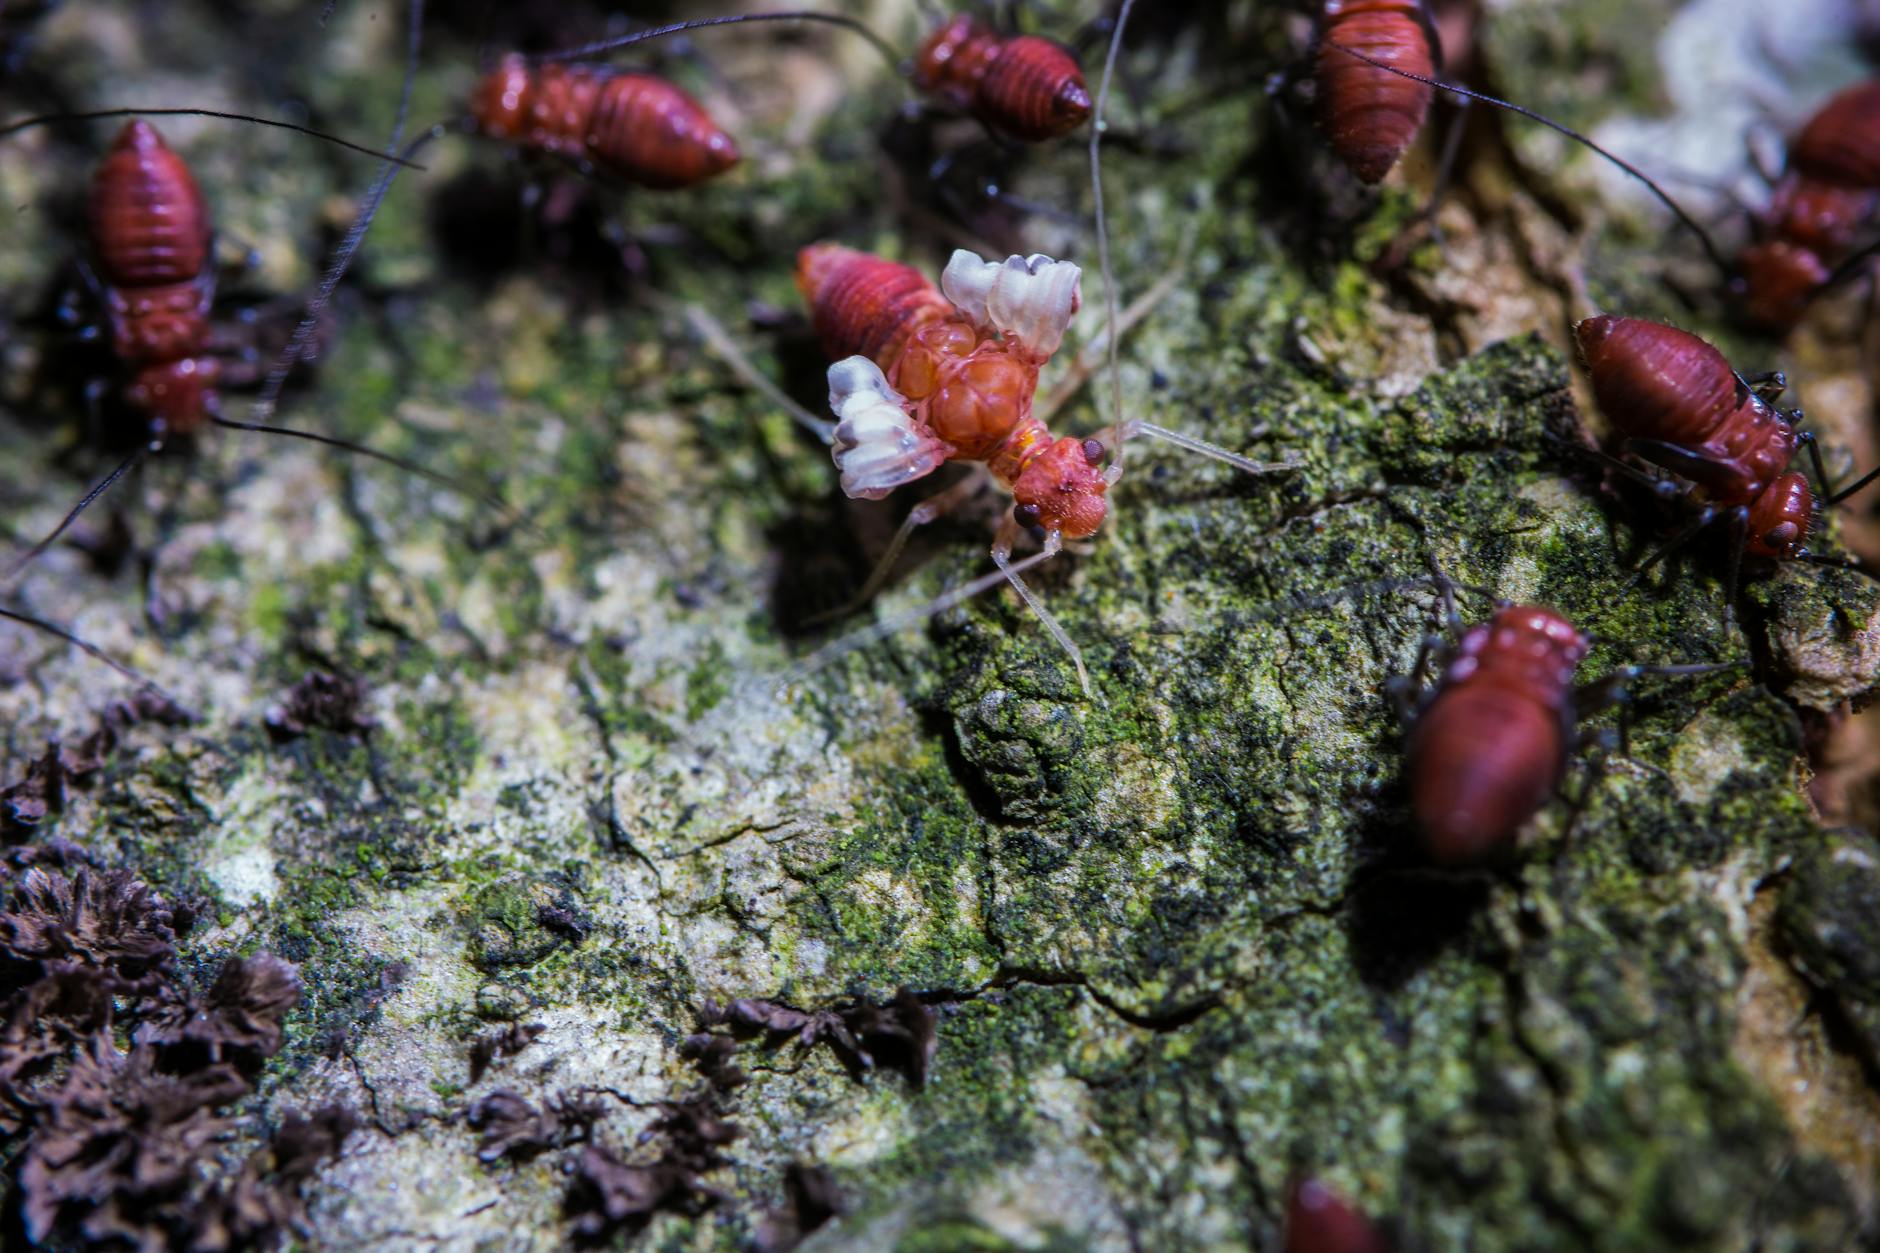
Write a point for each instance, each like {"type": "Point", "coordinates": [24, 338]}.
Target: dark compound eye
{"type": "Point", "coordinates": [1093, 451]}
{"type": "Point", "coordinates": [1026, 516]}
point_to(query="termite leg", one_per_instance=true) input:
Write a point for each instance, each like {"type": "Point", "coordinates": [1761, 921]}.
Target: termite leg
{"type": "Point", "coordinates": [1683, 536]}
{"type": "Point", "coordinates": [124, 468]}
{"type": "Point", "coordinates": [1767, 385]}
{"type": "Point", "coordinates": [1807, 440]}
{"type": "Point", "coordinates": [936, 506]}
{"type": "Point", "coordinates": [1002, 558]}
{"type": "Point", "coordinates": [1446, 166]}
{"type": "Point", "coordinates": [1739, 540]}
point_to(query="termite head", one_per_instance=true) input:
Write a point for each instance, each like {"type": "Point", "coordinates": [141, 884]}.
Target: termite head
{"type": "Point", "coordinates": [1780, 518]}
{"type": "Point", "coordinates": [177, 396]}
{"type": "Point", "coordinates": [1777, 281]}
{"type": "Point", "coordinates": [497, 103]}
{"type": "Point", "coordinates": [1062, 489]}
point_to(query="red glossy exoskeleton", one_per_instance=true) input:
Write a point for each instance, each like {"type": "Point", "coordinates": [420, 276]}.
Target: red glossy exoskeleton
{"type": "Point", "coordinates": [151, 241]}
{"type": "Point", "coordinates": [634, 126]}
{"type": "Point", "coordinates": [1829, 191]}
{"type": "Point", "coordinates": [1024, 86]}
{"type": "Point", "coordinates": [1371, 116]}
{"type": "Point", "coordinates": [1318, 1220]}
{"type": "Point", "coordinates": [926, 377]}
{"type": "Point", "coordinates": [1493, 738]}
{"type": "Point", "coordinates": [962, 379]}
{"type": "Point", "coordinates": [1676, 403]}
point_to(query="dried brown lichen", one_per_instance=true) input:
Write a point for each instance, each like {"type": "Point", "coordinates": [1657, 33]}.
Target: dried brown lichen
{"type": "Point", "coordinates": [897, 1034]}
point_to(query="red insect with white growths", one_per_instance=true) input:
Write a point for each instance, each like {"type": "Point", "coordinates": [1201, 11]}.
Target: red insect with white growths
{"type": "Point", "coordinates": [924, 377]}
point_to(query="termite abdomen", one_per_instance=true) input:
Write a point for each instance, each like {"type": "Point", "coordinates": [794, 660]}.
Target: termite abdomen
{"type": "Point", "coordinates": [149, 224]}
{"type": "Point", "coordinates": [1656, 382]}
{"type": "Point", "coordinates": [1024, 86]}
{"type": "Point", "coordinates": [863, 305]}
{"type": "Point", "coordinates": [1492, 742]}
{"type": "Point", "coordinates": [1841, 142]}
{"type": "Point", "coordinates": [1371, 116]}
{"type": "Point", "coordinates": [1830, 189]}
{"type": "Point", "coordinates": [1682, 407]}
{"type": "Point", "coordinates": [1318, 1220]}
{"type": "Point", "coordinates": [635, 126]}
{"type": "Point", "coordinates": [150, 243]}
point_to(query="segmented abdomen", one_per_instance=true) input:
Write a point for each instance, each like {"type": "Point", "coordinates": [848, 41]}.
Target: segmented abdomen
{"type": "Point", "coordinates": [1025, 86]}
{"type": "Point", "coordinates": [149, 225]}
{"type": "Point", "coordinates": [1841, 142]}
{"type": "Point", "coordinates": [634, 126]}
{"type": "Point", "coordinates": [1657, 383]}
{"type": "Point", "coordinates": [865, 305]}
{"type": "Point", "coordinates": [1371, 116]}
{"type": "Point", "coordinates": [1490, 746]}
{"type": "Point", "coordinates": [150, 243]}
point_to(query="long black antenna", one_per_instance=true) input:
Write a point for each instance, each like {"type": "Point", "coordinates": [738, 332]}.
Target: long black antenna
{"type": "Point", "coordinates": [1703, 236]}
{"type": "Point", "coordinates": [43, 119]}
{"type": "Point", "coordinates": [356, 233]}
{"type": "Point", "coordinates": [598, 47]}
{"type": "Point", "coordinates": [90, 649]}
{"type": "Point", "coordinates": [33, 554]}
{"type": "Point", "coordinates": [459, 486]}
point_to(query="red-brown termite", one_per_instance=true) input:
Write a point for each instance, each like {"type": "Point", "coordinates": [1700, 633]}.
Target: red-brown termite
{"type": "Point", "coordinates": [1677, 404]}
{"type": "Point", "coordinates": [1318, 1220]}
{"type": "Point", "coordinates": [1024, 86]}
{"type": "Point", "coordinates": [1021, 88]}
{"type": "Point", "coordinates": [1492, 738]}
{"type": "Point", "coordinates": [636, 127]}
{"type": "Point", "coordinates": [1371, 118]}
{"type": "Point", "coordinates": [152, 271]}
{"type": "Point", "coordinates": [1805, 239]}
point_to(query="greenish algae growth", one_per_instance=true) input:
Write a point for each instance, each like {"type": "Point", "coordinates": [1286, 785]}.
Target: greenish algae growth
{"type": "Point", "coordinates": [1174, 933]}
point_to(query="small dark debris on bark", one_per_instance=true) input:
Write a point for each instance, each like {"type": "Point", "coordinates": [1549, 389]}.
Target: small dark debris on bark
{"type": "Point", "coordinates": [810, 1199]}
{"type": "Point", "coordinates": [513, 1128]}
{"type": "Point", "coordinates": [898, 1034]}
{"type": "Point", "coordinates": [331, 702]}
{"type": "Point", "coordinates": [502, 1042]}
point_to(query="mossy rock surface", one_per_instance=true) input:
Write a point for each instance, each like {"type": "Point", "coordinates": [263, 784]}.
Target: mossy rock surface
{"type": "Point", "coordinates": [1175, 932]}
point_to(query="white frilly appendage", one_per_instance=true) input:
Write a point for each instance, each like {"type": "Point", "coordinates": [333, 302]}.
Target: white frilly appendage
{"type": "Point", "coordinates": [1027, 299]}
{"type": "Point", "coordinates": [878, 444]}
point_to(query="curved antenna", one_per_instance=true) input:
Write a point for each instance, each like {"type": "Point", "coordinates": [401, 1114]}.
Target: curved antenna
{"type": "Point", "coordinates": [43, 119]}
{"type": "Point", "coordinates": [1703, 236]}
{"type": "Point", "coordinates": [1118, 434]}
{"type": "Point", "coordinates": [888, 626]}
{"type": "Point", "coordinates": [461, 487]}
{"type": "Point", "coordinates": [356, 233]}
{"type": "Point", "coordinates": [659, 32]}
{"type": "Point", "coordinates": [89, 649]}
{"type": "Point", "coordinates": [33, 553]}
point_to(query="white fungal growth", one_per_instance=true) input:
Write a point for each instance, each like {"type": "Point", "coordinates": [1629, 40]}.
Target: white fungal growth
{"type": "Point", "coordinates": [879, 445]}
{"type": "Point", "coordinates": [1028, 300]}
